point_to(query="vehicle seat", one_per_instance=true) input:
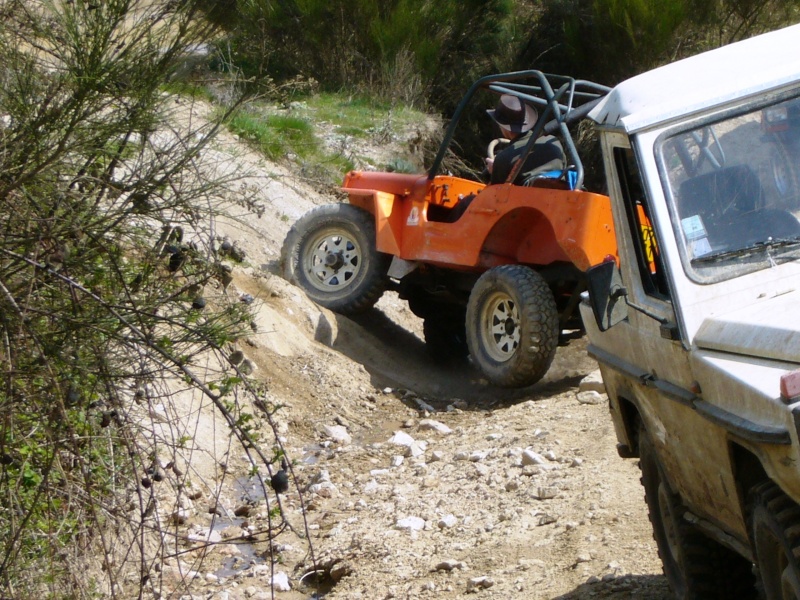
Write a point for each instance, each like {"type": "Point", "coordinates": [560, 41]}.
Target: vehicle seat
{"type": "Point", "coordinates": [720, 194]}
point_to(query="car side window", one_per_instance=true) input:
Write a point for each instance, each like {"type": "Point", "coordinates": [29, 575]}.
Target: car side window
{"type": "Point", "coordinates": [637, 209]}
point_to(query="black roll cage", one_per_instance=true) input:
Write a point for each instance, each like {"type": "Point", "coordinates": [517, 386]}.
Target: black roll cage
{"type": "Point", "coordinates": [565, 101]}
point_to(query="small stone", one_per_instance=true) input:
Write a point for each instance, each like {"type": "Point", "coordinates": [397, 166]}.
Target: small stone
{"type": "Point", "coordinates": [401, 438]}
{"type": "Point", "coordinates": [478, 455]}
{"type": "Point", "coordinates": [529, 457]}
{"type": "Point", "coordinates": [512, 485]}
{"type": "Point", "coordinates": [410, 524]}
{"type": "Point", "coordinates": [280, 582]}
{"type": "Point", "coordinates": [180, 516]}
{"type": "Point", "coordinates": [479, 583]}
{"type": "Point", "coordinates": [243, 511]}
{"type": "Point", "coordinates": [593, 382]}
{"type": "Point", "coordinates": [590, 398]}
{"type": "Point", "coordinates": [430, 424]}
{"type": "Point", "coordinates": [436, 455]}
{"type": "Point", "coordinates": [450, 565]}
{"type": "Point", "coordinates": [447, 521]}
{"type": "Point", "coordinates": [547, 520]}
{"type": "Point", "coordinates": [545, 493]}
{"type": "Point", "coordinates": [337, 433]}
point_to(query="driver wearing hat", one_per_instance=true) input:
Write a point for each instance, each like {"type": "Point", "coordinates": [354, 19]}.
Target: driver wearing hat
{"type": "Point", "coordinates": [516, 119]}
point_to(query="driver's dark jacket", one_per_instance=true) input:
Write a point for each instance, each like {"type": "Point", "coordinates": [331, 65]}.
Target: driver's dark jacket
{"type": "Point", "coordinates": [546, 155]}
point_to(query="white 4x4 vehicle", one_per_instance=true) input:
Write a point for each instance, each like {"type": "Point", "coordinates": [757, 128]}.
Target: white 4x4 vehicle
{"type": "Point", "coordinates": [697, 326]}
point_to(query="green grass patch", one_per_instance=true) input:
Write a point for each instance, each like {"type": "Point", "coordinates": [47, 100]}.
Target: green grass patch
{"type": "Point", "coordinates": [275, 135]}
{"type": "Point", "coordinates": [299, 131]}
{"type": "Point", "coordinates": [360, 116]}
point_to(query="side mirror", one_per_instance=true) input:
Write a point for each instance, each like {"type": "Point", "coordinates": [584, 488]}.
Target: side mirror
{"type": "Point", "coordinates": [607, 295]}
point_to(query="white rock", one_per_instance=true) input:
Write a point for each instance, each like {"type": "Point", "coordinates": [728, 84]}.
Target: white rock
{"type": "Point", "coordinates": [337, 433]}
{"type": "Point", "coordinates": [325, 489]}
{"type": "Point", "coordinates": [437, 455]}
{"type": "Point", "coordinates": [436, 426]}
{"type": "Point", "coordinates": [529, 457]}
{"type": "Point", "coordinates": [593, 382]}
{"type": "Point", "coordinates": [280, 582]}
{"type": "Point", "coordinates": [401, 438]}
{"type": "Point", "coordinates": [411, 524]}
{"type": "Point", "coordinates": [447, 521]}
{"type": "Point", "coordinates": [397, 461]}
{"type": "Point", "coordinates": [205, 536]}
{"type": "Point", "coordinates": [478, 455]}
{"type": "Point", "coordinates": [416, 449]}
{"type": "Point", "coordinates": [590, 397]}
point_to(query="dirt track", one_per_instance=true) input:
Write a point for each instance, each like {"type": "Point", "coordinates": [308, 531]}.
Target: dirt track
{"type": "Point", "coordinates": [510, 494]}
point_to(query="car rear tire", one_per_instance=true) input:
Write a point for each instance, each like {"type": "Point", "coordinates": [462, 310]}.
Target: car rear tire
{"type": "Point", "coordinates": [775, 532]}
{"type": "Point", "coordinates": [512, 326]}
{"type": "Point", "coordinates": [696, 567]}
{"type": "Point", "coordinates": [330, 253]}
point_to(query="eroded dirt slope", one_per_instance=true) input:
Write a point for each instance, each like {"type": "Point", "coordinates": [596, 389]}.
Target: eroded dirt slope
{"type": "Point", "coordinates": [419, 481]}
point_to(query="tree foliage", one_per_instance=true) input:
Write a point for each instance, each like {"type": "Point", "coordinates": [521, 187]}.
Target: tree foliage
{"type": "Point", "coordinates": [610, 40]}
{"type": "Point", "coordinates": [110, 290]}
{"type": "Point", "coordinates": [404, 49]}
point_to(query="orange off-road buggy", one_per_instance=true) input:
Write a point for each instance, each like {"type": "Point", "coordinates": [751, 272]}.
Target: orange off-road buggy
{"type": "Point", "coordinates": [495, 271]}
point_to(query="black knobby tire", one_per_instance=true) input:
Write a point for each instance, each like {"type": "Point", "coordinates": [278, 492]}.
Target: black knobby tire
{"type": "Point", "coordinates": [696, 567]}
{"type": "Point", "coordinates": [330, 253]}
{"type": "Point", "coordinates": [446, 337]}
{"type": "Point", "coordinates": [774, 521]}
{"type": "Point", "coordinates": [784, 173]}
{"type": "Point", "coordinates": [512, 326]}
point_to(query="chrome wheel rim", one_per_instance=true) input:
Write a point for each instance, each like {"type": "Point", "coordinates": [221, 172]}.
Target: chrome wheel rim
{"type": "Point", "coordinates": [500, 322]}
{"type": "Point", "coordinates": [333, 260]}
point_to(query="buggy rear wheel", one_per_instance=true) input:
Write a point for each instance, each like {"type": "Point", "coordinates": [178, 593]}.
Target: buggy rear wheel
{"type": "Point", "coordinates": [330, 253]}
{"type": "Point", "coordinates": [512, 326]}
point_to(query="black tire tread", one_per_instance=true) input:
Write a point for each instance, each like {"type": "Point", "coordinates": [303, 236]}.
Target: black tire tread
{"type": "Point", "coordinates": [370, 289]}
{"type": "Point", "coordinates": [537, 306]}
{"type": "Point", "coordinates": [786, 515]}
{"type": "Point", "coordinates": [710, 571]}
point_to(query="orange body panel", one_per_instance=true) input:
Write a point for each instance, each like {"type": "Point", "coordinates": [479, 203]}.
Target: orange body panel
{"type": "Point", "coordinates": [502, 224]}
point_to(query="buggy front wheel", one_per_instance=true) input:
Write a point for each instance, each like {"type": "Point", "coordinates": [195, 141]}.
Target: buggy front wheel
{"type": "Point", "coordinates": [330, 253]}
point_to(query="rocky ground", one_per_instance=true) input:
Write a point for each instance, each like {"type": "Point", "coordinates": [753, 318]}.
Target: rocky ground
{"type": "Point", "coordinates": [417, 480]}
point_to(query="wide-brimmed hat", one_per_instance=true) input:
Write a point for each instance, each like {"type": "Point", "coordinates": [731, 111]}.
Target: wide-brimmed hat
{"type": "Point", "coordinates": [513, 114]}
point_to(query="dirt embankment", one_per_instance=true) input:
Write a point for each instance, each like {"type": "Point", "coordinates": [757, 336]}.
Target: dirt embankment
{"type": "Point", "coordinates": [419, 481]}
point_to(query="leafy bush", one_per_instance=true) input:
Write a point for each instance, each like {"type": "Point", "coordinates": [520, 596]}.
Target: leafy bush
{"type": "Point", "coordinates": [105, 268]}
{"type": "Point", "coordinates": [403, 50]}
